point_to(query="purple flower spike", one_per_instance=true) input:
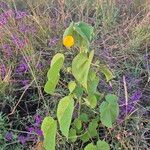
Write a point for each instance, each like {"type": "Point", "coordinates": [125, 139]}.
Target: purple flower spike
{"type": "Point", "coordinates": [3, 71]}
{"type": "Point", "coordinates": [25, 82]}
{"type": "Point", "coordinates": [136, 96]}
{"type": "Point", "coordinates": [22, 139]}
{"type": "Point", "coordinates": [8, 136]}
{"type": "Point", "coordinates": [40, 65]}
{"type": "Point", "coordinates": [38, 120]}
{"type": "Point", "coordinates": [52, 42]}
{"type": "Point", "coordinates": [20, 14]}
{"type": "Point", "coordinates": [31, 129]}
{"type": "Point", "coordinates": [18, 42]}
{"type": "Point", "coordinates": [8, 50]}
{"type": "Point", "coordinates": [39, 132]}
{"type": "Point", "coordinates": [22, 68]}
{"type": "Point", "coordinates": [3, 20]}
{"type": "Point", "coordinates": [3, 6]}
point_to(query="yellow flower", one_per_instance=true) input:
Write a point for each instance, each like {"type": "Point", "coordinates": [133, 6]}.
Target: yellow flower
{"type": "Point", "coordinates": [68, 41]}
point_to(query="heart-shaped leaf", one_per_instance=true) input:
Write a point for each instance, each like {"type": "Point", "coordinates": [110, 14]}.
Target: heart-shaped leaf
{"type": "Point", "coordinates": [90, 147]}
{"type": "Point", "coordinates": [102, 145]}
{"type": "Point", "coordinates": [109, 110]}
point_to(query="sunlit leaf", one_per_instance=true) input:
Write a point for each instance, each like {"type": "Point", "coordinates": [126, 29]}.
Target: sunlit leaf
{"type": "Point", "coordinates": [64, 114]}
{"type": "Point", "coordinates": [71, 86]}
{"type": "Point", "coordinates": [49, 127]}
{"type": "Point", "coordinates": [69, 30]}
{"type": "Point", "coordinates": [53, 73]}
{"type": "Point", "coordinates": [80, 67]}
{"type": "Point", "coordinates": [91, 101]}
{"type": "Point", "coordinates": [90, 147]}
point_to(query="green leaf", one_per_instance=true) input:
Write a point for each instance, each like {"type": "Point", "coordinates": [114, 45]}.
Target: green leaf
{"type": "Point", "coordinates": [105, 70]}
{"type": "Point", "coordinates": [93, 81]}
{"type": "Point", "coordinates": [85, 30]}
{"type": "Point", "coordinates": [82, 34]}
{"type": "Point", "coordinates": [80, 67]}
{"type": "Point", "coordinates": [77, 124]}
{"type": "Point", "coordinates": [84, 117]}
{"type": "Point", "coordinates": [71, 86]}
{"type": "Point", "coordinates": [85, 137]}
{"type": "Point", "coordinates": [72, 135]}
{"type": "Point", "coordinates": [49, 128]}
{"type": "Point", "coordinates": [92, 128]}
{"type": "Point", "coordinates": [90, 147]}
{"type": "Point", "coordinates": [78, 91]}
{"type": "Point", "coordinates": [102, 145]}
{"type": "Point", "coordinates": [53, 73]}
{"type": "Point", "coordinates": [64, 114]}
{"type": "Point", "coordinates": [109, 110]}
{"type": "Point", "coordinates": [91, 101]}
{"type": "Point", "coordinates": [69, 30]}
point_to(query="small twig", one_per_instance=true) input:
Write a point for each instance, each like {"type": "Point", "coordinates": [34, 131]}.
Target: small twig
{"type": "Point", "coordinates": [125, 90]}
{"type": "Point", "coordinates": [126, 93]}
{"type": "Point", "coordinates": [20, 99]}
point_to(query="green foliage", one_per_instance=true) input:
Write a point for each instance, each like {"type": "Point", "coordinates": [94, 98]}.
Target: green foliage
{"type": "Point", "coordinates": [90, 147]}
{"type": "Point", "coordinates": [102, 145]}
{"type": "Point", "coordinates": [109, 110]}
{"type": "Point", "coordinates": [49, 128]}
{"type": "Point", "coordinates": [71, 86]}
{"type": "Point", "coordinates": [82, 34]}
{"type": "Point", "coordinates": [77, 124]}
{"type": "Point", "coordinates": [84, 117]}
{"type": "Point", "coordinates": [82, 92]}
{"type": "Point", "coordinates": [53, 73]}
{"type": "Point", "coordinates": [80, 67]}
{"type": "Point", "coordinates": [106, 71]}
{"type": "Point", "coordinates": [64, 114]}
{"type": "Point", "coordinates": [91, 101]}
{"type": "Point", "coordinates": [92, 128]}
{"type": "Point", "coordinates": [72, 135]}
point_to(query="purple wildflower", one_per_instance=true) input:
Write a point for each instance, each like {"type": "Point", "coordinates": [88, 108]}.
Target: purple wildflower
{"type": "Point", "coordinates": [18, 41]}
{"type": "Point", "coordinates": [110, 89]}
{"type": "Point", "coordinates": [146, 57]}
{"type": "Point", "coordinates": [136, 95]}
{"type": "Point", "coordinates": [3, 71]}
{"type": "Point", "coordinates": [39, 132]}
{"type": "Point", "coordinates": [22, 68]}
{"type": "Point", "coordinates": [22, 139]}
{"type": "Point", "coordinates": [52, 42]}
{"type": "Point", "coordinates": [3, 20]}
{"type": "Point", "coordinates": [3, 6]}
{"type": "Point", "coordinates": [20, 14]}
{"type": "Point", "coordinates": [38, 120]}
{"type": "Point", "coordinates": [8, 136]}
{"type": "Point", "coordinates": [8, 50]}
{"type": "Point", "coordinates": [25, 82]}
{"type": "Point", "coordinates": [39, 65]}
{"type": "Point", "coordinates": [30, 129]}
{"type": "Point", "coordinates": [27, 29]}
